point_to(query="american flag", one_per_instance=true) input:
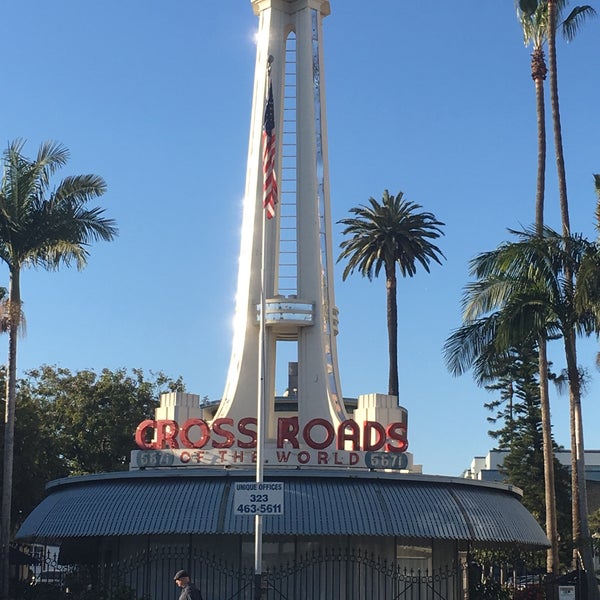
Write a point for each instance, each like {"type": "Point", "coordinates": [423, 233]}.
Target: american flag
{"type": "Point", "coordinates": [270, 179]}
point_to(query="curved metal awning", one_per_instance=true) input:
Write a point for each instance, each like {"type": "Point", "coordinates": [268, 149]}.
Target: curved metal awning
{"type": "Point", "coordinates": [198, 501]}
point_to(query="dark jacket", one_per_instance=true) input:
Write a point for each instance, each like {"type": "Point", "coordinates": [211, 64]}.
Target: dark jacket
{"type": "Point", "coordinates": [190, 592]}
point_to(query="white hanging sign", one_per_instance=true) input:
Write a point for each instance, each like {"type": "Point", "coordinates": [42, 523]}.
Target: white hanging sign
{"type": "Point", "coordinates": [258, 498]}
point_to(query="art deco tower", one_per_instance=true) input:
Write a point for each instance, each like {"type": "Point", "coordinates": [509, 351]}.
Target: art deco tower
{"type": "Point", "coordinates": [290, 255]}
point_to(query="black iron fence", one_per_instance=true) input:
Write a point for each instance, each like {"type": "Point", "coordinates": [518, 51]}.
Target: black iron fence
{"type": "Point", "coordinates": [327, 575]}
{"type": "Point", "coordinates": [357, 575]}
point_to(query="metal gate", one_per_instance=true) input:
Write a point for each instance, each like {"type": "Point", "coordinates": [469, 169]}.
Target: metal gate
{"type": "Point", "coordinates": [356, 575]}
{"type": "Point", "coordinates": [323, 575]}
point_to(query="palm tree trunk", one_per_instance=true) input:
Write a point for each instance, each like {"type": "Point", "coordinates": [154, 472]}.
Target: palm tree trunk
{"type": "Point", "coordinates": [575, 487]}
{"type": "Point", "coordinates": [392, 324]}
{"type": "Point", "coordinates": [579, 510]}
{"type": "Point", "coordinates": [556, 125]}
{"type": "Point", "coordinates": [538, 74]}
{"type": "Point", "coordinates": [552, 557]}
{"type": "Point", "coordinates": [9, 426]}
{"type": "Point", "coordinates": [583, 541]}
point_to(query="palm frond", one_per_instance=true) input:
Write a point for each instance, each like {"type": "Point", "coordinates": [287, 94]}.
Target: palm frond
{"type": "Point", "coordinates": [79, 188]}
{"type": "Point", "coordinates": [534, 22]}
{"type": "Point", "coordinates": [528, 7]}
{"type": "Point", "coordinates": [6, 307]}
{"type": "Point", "coordinates": [571, 25]}
{"type": "Point", "coordinates": [51, 156]}
{"type": "Point", "coordinates": [539, 286]}
{"type": "Point", "coordinates": [465, 344]}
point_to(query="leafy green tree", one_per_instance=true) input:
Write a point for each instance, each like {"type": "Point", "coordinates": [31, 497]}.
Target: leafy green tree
{"type": "Point", "coordinates": [517, 403]}
{"type": "Point", "coordinates": [37, 452]}
{"type": "Point", "coordinates": [57, 415]}
{"type": "Point", "coordinates": [95, 415]}
{"type": "Point", "coordinates": [45, 227]}
{"type": "Point", "coordinates": [518, 413]}
{"type": "Point", "coordinates": [389, 234]}
{"type": "Point", "coordinates": [481, 344]}
{"type": "Point", "coordinates": [595, 530]}
{"type": "Point", "coordinates": [38, 456]}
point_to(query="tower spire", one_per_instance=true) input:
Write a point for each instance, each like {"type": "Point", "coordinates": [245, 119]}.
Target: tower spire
{"type": "Point", "coordinates": [299, 306]}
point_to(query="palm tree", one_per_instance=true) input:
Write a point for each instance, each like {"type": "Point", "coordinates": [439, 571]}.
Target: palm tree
{"type": "Point", "coordinates": [534, 16]}
{"type": "Point", "coordinates": [534, 33]}
{"type": "Point", "coordinates": [387, 234]}
{"type": "Point", "coordinates": [522, 292]}
{"type": "Point", "coordinates": [45, 228]}
{"type": "Point", "coordinates": [538, 19]}
{"type": "Point", "coordinates": [580, 528]}
{"type": "Point", "coordinates": [534, 30]}
{"type": "Point", "coordinates": [546, 13]}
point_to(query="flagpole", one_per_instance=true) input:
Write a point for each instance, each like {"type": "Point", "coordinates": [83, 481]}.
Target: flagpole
{"type": "Point", "coordinates": [260, 408]}
{"type": "Point", "coordinates": [260, 416]}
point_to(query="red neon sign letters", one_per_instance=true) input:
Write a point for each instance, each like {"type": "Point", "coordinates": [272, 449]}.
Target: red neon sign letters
{"type": "Point", "coordinates": [317, 434]}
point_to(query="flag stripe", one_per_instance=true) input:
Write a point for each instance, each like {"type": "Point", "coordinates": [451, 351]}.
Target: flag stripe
{"type": "Point", "coordinates": [269, 145]}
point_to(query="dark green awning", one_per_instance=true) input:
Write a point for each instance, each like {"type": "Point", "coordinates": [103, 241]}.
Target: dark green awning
{"type": "Point", "coordinates": [200, 501]}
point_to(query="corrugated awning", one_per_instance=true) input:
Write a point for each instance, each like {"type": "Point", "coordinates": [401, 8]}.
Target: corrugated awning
{"type": "Point", "coordinates": [199, 501]}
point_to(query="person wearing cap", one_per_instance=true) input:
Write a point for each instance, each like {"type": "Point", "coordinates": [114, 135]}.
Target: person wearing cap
{"type": "Point", "coordinates": [188, 590]}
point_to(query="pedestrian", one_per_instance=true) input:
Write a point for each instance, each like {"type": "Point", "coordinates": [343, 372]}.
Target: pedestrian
{"type": "Point", "coordinates": [188, 590]}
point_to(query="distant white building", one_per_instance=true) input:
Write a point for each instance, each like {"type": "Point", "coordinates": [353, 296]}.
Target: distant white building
{"type": "Point", "coordinates": [488, 467]}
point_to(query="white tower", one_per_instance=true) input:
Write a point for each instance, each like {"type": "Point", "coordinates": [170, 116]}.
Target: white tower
{"type": "Point", "coordinates": [285, 297]}
{"type": "Point", "coordinates": [290, 255]}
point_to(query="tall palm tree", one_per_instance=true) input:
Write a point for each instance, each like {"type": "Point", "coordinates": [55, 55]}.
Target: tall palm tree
{"type": "Point", "coordinates": [389, 234]}
{"type": "Point", "coordinates": [580, 528]}
{"type": "Point", "coordinates": [574, 21]}
{"type": "Point", "coordinates": [43, 227]}
{"type": "Point", "coordinates": [534, 33]}
{"type": "Point", "coordinates": [521, 291]}
{"type": "Point", "coordinates": [534, 16]}
{"type": "Point", "coordinates": [538, 19]}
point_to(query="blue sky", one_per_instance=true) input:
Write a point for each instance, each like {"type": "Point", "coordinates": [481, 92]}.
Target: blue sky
{"type": "Point", "coordinates": [434, 99]}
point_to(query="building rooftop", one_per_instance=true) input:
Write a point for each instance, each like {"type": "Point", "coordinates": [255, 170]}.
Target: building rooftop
{"type": "Point", "coordinates": [195, 501]}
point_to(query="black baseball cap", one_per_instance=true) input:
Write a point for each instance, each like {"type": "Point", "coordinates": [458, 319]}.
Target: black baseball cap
{"type": "Point", "coordinates": [180, 575]}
